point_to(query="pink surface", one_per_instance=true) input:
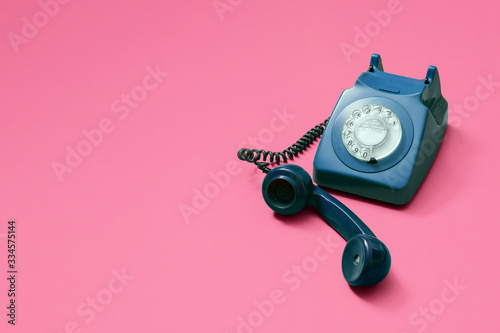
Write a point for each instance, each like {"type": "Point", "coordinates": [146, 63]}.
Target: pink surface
{"type": "Point", "coordinates": [102, 245]}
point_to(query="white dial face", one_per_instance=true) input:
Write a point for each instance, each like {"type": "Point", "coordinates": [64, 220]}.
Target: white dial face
{"type": "Point", "coordinates": [371, 132]}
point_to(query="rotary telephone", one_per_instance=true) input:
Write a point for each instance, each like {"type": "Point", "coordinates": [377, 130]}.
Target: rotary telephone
{"type": "Point", "coordinates": [379, 142]}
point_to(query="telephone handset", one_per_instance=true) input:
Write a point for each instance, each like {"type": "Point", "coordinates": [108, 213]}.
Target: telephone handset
{"type": "Point", "coordinates": [379, 142]}
{"type": "Point", "coordinates": [366, 261]}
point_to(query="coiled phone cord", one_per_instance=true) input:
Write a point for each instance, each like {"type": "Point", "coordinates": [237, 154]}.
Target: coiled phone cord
{"type": "Point", "coordinates": [255, 155]}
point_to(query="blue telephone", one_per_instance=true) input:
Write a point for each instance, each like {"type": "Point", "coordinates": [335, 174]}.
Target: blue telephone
{"type": "Point", "coordinates": [383, 135]}
{"type": "Point", "coordinates": [379, 142]}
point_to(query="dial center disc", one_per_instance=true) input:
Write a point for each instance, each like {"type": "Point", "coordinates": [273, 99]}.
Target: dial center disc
{"type": "Point", "coordinates": [371, 131]}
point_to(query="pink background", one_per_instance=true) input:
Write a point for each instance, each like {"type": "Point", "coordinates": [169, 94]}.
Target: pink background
{"type": "Point", "coordinates": [119, 209]}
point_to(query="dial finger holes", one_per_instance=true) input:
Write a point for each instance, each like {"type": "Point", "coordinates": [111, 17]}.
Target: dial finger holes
{"type": "Point", "coordinates": [371, 132]}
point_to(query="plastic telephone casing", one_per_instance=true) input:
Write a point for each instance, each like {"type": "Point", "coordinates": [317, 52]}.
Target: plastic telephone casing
{"type": "Point", "coordinates": [423, 112]}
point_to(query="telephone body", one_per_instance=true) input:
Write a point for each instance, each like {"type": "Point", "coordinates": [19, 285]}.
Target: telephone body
{"type": "Point", "coordinates": [383, 135]}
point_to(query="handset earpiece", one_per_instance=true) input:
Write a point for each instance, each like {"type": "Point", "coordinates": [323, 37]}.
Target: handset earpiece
{"type": "Point", "coordinates": [366, 260]}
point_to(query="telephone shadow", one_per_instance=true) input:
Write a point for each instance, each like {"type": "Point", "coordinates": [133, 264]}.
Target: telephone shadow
{"type": "Point", "coordinates": [307, 215]}
{"type": "Point", "coordinates": [388, 294]}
